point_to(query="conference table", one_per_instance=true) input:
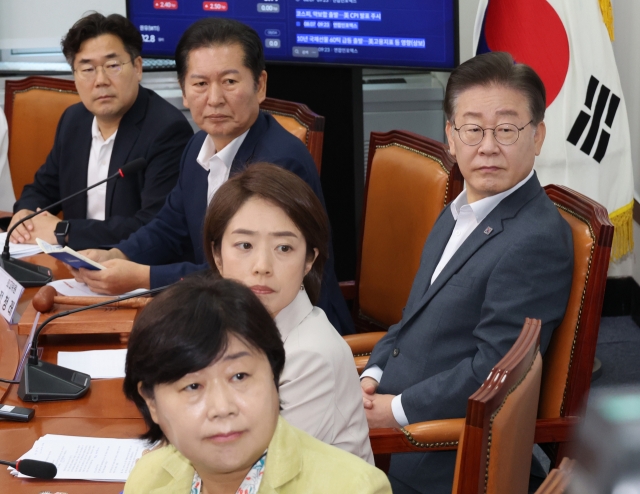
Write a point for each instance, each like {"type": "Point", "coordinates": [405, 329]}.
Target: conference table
{"type": "Point", "coordinates": [102, 412]}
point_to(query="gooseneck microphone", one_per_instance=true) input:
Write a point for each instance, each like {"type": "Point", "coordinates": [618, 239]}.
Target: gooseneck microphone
{"type": "Point", "coordinates": [42, 381]}
{"type": "Point", "coordinates": [28, 274]}
{"type": "Point", "coordinates": [33, 468]}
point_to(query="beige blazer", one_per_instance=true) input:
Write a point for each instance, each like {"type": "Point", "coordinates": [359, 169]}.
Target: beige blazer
{"type": "Point", "coordinates": [296, 464]}
{"type": "Point", "coordinates": [320, 387]}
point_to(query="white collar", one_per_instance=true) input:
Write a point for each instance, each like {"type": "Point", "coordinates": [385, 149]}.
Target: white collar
{"type": "Point", "coordinates": [293, 314]}
{"type": "Point", "coordinates": [96, 134]}
{"type": "Point", "coordinates": [483, 207]}
{"type": "Point", "coordinates": [227, 154]}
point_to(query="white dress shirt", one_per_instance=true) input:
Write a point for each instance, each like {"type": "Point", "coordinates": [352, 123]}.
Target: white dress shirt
{"type": "Point", "coordinates": [98, 169]}
{"type": "Point", "coordinates": [319, 386]}
{"type": "Point", "coordinates": [218, 164]}
{"type": "Point", "coordinates": [467, 217]}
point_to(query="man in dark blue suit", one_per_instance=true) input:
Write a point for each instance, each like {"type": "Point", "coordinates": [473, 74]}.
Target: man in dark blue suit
{"type": "Point", "coordinates": [116, 122]}
{"type": "Point", "coordinates": [499, 253]}
{"type": "Point", "coordinates": [220, 66]}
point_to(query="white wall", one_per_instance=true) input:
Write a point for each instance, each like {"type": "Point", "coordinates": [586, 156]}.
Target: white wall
{"type": "Point", "coordinates": [467, 13]}
{"type": "Point", "coordinates": [625, 48]}
{"type": "Point", "coordinates": [41, 23]}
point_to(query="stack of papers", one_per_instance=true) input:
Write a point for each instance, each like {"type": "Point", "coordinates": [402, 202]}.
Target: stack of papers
{"type": "Point", "coordinates": [99, 364]}
{"type": "Point", "coordinates": [19, 250]}
{"type": "Point", "coordinates": [87, 458]}
{"type": "Point", "coordinates": [73, 288]}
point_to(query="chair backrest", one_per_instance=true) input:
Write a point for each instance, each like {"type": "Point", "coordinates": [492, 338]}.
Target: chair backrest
{"type": "Point", "coordinates": [410, 178]}
{"type": "Point", "coordinates": [568, 362]}
{"type": "Point", "coordinates": [494, 453]}
{"type": "Point", "coordinates": [298, 119]}
{"type": "Point", "coordinates": [33, 107]}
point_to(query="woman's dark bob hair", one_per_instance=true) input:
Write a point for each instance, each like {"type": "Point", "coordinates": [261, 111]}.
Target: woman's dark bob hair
{"type": "Point", "coordinates": [287, 191]}
{"type": "Point", "coordinates": [186, 328]}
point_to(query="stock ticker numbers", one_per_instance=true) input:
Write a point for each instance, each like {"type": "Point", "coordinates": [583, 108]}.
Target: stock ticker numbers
{"type": "Point", "coordinates": [165, 4]}
{"type": "Point", "coordinates": [215, 6]}
{"type": "Point", "coordinates": [403, 33]}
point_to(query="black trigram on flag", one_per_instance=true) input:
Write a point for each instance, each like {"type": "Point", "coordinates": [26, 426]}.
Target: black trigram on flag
{"type": "Point", "coordinates": [604, 95]}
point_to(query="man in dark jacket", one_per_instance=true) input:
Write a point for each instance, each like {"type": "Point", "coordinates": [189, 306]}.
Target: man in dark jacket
{"type": "Point", "coordinates": [116, 122]}
{"type": "Point", "coordinates": [220, 66]}
{"type": "Point", "coordinates": [500, 252]}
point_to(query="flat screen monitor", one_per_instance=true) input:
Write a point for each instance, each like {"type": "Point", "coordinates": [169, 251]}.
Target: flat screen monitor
{"type": "Point", "coordinates": [374, 33]}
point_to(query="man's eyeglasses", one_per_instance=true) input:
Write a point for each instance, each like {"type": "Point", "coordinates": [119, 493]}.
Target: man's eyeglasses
{"type": "Point", "coordinates": [88, 72]}
{"type": "Point", "coordinates": [506, 133]}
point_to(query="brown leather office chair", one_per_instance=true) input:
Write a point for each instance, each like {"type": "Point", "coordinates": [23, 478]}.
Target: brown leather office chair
{"type": "Point", "coordinates": [298, 119]}
{"type": "Point", "coordinates": [491, 457]}
{"type": "Point", "coordinates": [33, 107]}
{"type": "Point", "coordinates": [494, 455]}
{"type": "Point", "coordinates": [558, 479]}
{"type": "Point", "coordinates": [410, 178]}
{"type": "Point", "coordinates": [568, 362]}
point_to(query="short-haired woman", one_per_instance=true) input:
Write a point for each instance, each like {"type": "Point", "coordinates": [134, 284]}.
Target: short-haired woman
{"type": "Point", "coordinates": [203, 368]}
{"type": "Point", "coordinates": [267, 229]}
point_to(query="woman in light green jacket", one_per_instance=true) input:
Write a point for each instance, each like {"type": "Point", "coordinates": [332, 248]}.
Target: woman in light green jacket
{"type": "Point", "coordinates": [203, 367]}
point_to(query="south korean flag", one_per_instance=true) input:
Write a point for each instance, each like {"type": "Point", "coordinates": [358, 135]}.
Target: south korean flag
{"type": "Point", "coordinates": [587, 146]}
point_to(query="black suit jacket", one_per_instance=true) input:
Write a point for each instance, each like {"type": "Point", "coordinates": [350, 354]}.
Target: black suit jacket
{"type": "Point", "coordinates": [517, 263]}
{"type": "Point", "coordinates": [176, 232]}
{"type": "Point", "coordinates": [152, 129]}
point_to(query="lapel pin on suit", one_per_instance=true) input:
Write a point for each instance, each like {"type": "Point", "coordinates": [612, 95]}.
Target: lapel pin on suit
{"type": "Point", "coordinates": [488, 230]}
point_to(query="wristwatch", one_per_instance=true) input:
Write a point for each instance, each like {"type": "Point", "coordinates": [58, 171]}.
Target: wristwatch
{"type": "Point", "coordinates": [61, 231]}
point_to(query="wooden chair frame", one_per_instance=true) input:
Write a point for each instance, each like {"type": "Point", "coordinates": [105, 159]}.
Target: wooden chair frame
{"type": "Point", "coordinates": [420, 145]}
{"type": "Point", "coordinates": [558, 479]}
{"type": "Point", "coordinates": [300, 112]}
{"type": "Point", "coordinates": [12, 87]}
{"type": "Point", "coordinates": [558, 431]}
{"type": "Point", "coordinates": [483, 406]}
{"type": "Point", "coordinates": [555, 433]}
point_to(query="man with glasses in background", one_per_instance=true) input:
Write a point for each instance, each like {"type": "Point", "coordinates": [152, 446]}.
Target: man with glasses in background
{"type": "Point", "coordinates": [500, 252]}
{"type": "Point", "coordinates": [116, 122]}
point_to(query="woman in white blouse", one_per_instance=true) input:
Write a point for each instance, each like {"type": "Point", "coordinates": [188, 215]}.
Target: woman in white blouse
{"type": "Point", "coordinates": [266, 228]}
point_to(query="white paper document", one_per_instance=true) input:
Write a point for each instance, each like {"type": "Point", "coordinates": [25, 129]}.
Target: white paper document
{"type": "Point", "coordinates": [73, 288]}
{"type": "Point", "coordinates": [19, 250]}
{"type": "Point", "coordinates": [99, 364]}
{"type": "Point", "coordinates": [87, 458]}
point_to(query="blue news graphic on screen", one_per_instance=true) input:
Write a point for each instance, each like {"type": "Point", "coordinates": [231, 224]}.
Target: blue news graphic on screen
{"type": "Point", "coordinates": [402, 33]}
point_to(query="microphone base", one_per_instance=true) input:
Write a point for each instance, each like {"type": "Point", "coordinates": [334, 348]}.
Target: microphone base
{"type": "Point", "coordinates": [48, 382]}
{"type": "Point", "coordinates": [25, 273]}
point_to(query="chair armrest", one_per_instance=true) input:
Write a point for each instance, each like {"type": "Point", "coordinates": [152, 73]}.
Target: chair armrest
{"type": "Point", "coordinates": [556, 430]}
{"type": "Point", "coordinates": [435, 435]}
{"type": "Point", "coordinates": [443, 435]}
{"type": "Point", "coordinates": [363, 343]}
{"type": "Point", "coordinates": [361, 362]}
{"type": "Point", "coordinates": [348, 289]}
